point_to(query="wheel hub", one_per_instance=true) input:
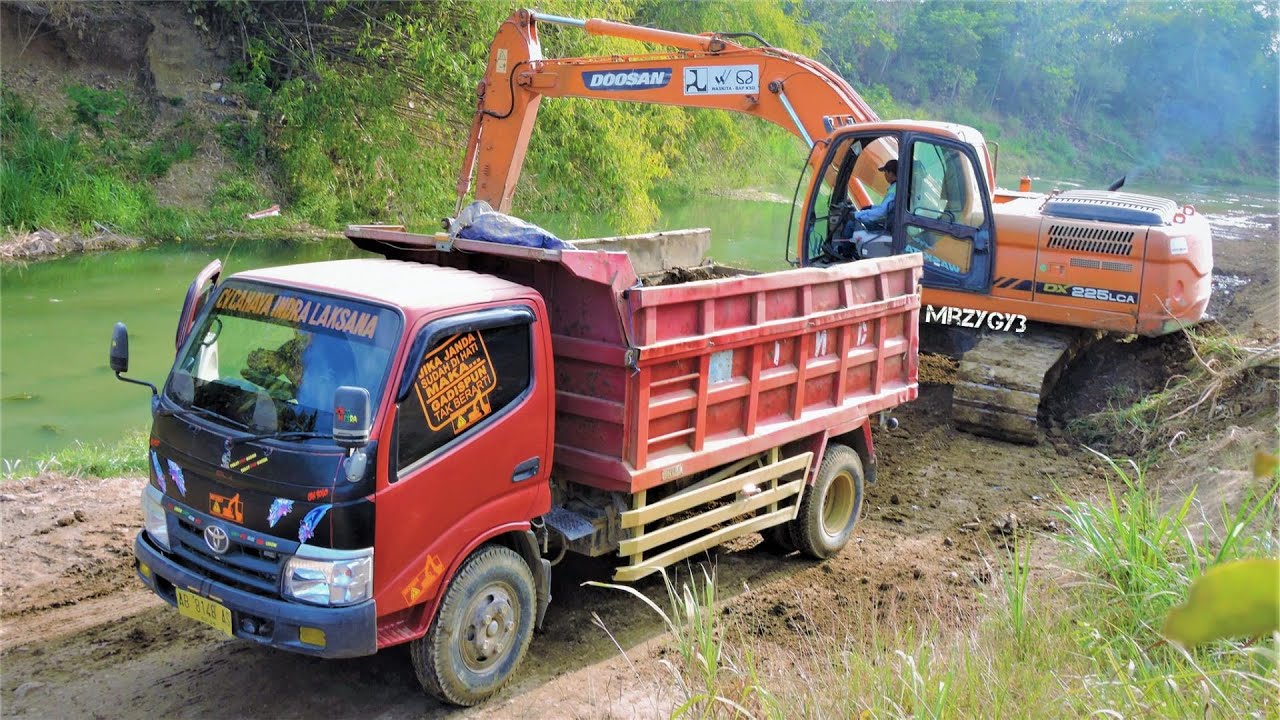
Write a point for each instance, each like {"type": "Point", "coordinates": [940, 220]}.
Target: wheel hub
{"type": "Point", "coordinates": [489, 629]}
{"type": "Point", "coordinates": [837, 505]}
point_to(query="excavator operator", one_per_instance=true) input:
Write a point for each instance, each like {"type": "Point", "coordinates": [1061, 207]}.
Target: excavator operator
{"type": "Point", "coordinates": [879, 217]}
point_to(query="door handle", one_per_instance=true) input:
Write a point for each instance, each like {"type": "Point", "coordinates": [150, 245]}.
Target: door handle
{"type": "Point", "coordinates": [526, 469]}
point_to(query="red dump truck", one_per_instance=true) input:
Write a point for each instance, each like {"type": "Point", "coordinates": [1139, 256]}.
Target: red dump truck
{"type": "Point", "coordinates": [355, 454]}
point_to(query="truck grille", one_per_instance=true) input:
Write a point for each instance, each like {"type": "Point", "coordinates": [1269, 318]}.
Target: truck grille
{"type": "Point", "coordinates": [1091, 239]}
{"type": "Point", "coordinates": [244, 566]}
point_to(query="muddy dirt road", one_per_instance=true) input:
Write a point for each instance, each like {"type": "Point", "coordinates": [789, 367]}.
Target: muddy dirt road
{"type": "Point", "coordinates": [80, 637]}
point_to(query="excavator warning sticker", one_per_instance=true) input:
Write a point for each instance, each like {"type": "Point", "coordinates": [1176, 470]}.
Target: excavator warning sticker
{"type": "Point", "coordinates": [454, 383]}
{"type": "Point", "coordinates": [422, 582]}
{"type": "Point", "coordinates": [227, 508]}
{"type": "Point", "coordinates": [722, 80]}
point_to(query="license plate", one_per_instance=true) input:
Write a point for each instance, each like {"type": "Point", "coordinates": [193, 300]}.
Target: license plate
{"type": "Point", "coordinates": [206, 611]}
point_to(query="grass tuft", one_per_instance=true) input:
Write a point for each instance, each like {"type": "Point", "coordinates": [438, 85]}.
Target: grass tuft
{"type": "Point", "coordinates": [713, 678]}
{"type": "Point", "coordinates": [126, 456]}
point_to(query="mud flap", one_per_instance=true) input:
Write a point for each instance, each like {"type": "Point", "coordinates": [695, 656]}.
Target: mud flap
{"type": "Point", "coordinates": [866, 453]}
{"type": "Point", "coordinates": [542, 582]}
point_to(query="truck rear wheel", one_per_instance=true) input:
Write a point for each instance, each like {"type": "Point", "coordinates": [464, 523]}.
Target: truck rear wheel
{"type": "Point", "coordinates": [831, 506]}
{"type": "Point", "coordinates": [481, 630]}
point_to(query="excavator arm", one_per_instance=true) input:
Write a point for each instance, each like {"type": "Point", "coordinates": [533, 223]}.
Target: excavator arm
{"type": "Point", "coordinates": [707, 71]}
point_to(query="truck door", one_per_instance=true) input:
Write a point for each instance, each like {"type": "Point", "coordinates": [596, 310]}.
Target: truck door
{"type": "Point", "coordinates": [470, 447]}
{"type": "Point", "coordinates": [944, 213]}
{"type": "Point", "coordinates": [197, 294]}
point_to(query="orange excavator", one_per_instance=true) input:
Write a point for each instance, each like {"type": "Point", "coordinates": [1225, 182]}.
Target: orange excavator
{"type": "Point", "coordinates": [1075, 264]}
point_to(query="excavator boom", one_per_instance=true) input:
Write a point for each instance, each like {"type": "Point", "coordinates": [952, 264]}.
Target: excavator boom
{"type": "Point", "coordinates": [707, 71]}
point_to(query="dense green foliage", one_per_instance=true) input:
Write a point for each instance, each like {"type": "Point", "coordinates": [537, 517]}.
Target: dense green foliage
{"type": "Point", "coordinates": [1185, 89]}
{"type": "Point", "coordinates": [355, 142]}
{"type": "Point", "coordinates": [96, 177]}
{"type": "Point", "coordinates": [358, 112]}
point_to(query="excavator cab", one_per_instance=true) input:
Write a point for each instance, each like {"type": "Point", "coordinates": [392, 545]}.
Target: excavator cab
{"type": "Point", "coordinates": [941, 209]}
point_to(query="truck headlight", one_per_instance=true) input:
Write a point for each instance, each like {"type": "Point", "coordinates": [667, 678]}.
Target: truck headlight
{"type": "Point", "coordinates": [153, 517]}
{"type": "Point", "coordinates": [329, 577]}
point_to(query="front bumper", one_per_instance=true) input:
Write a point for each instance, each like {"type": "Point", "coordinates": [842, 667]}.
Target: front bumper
{"type": "Point", "coordinates": [348, 631]}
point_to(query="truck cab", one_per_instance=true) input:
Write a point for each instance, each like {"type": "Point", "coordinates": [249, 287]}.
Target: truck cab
{"type": "Point", "coordinates": [255, 509]}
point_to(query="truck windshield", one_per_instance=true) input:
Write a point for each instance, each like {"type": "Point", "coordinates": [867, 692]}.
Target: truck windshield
{"type": "Point", "coordinates": [267, 360]}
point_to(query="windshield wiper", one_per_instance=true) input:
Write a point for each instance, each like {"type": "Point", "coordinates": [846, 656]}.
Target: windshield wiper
{"type": "Point", "coordinates": [281, 435]}
{"type": "Point", "coordinates": [204, 412]}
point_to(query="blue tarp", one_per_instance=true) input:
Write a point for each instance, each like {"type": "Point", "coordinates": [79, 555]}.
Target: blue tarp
{"type": "Point", "coordinates": [478, 221]}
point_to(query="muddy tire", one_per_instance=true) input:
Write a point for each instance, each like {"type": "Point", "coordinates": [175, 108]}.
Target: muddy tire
{"type": "Point", "coordinates": [481, 631]}
{"type": "Point", "coordinates": [831, 506]}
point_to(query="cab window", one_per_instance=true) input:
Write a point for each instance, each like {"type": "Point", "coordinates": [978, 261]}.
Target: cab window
{"type": "Point", "coordinates": [270, 358]}
{"type": "Point", "coordinates": [942, 185]}
{"type": "Point", "coordinates": [943, 190]}
{"type": "Point", "coordinates": [851, 180]}
{"type": "Point", "coordinates": [463, 380]}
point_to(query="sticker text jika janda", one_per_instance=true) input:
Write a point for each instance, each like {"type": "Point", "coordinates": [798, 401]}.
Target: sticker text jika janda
{"type": "Point", "coordinates": [454, 383]}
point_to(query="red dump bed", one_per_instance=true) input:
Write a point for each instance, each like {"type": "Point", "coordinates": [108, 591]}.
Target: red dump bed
{"type": "Point", "coordinates": [656, 383]}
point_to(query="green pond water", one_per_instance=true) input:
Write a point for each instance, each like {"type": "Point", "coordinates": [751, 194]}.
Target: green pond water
{"type": "Point", "coordinates": [56, 317]}
{"type": "Point", "coordinates": [56, 388]}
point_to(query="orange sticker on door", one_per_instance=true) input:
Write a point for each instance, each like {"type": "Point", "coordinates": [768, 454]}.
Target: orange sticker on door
{"type": "Point", "coordinates": [423, 581]}
{"type": "Point", "coordinates": [227, 508]}
{"type": "Point", "coordinates": [454, 383]}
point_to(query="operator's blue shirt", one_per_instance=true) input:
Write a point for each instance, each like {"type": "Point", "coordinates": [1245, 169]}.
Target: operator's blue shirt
{"type": "Point", "coordinates": [881, 211]}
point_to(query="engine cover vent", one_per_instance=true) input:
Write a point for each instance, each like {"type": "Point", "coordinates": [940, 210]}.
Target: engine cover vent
{"type": "Point", "coordinates": [1113, 207]}
{"type": "Point", "coordinates": [1091, 239]}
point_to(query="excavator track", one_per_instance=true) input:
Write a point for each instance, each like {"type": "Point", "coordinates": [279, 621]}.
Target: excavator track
{"type": "Point", "coordinates": [1003, 378]}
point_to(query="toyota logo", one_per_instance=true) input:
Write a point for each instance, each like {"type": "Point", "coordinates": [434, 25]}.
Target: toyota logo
{"type": "Point", "coordinates": [217, 540]}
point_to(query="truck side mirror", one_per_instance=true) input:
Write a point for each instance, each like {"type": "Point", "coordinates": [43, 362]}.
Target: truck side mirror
{"type": "Point", "coordinates": [120, 348]}
{"type": "Point", "coordinates": [351, 417]}
{"type": "Point", "coordinates": [119, 358]}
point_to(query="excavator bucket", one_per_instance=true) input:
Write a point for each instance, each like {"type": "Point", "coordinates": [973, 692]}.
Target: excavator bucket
{"type": "Point", "coordinates": [657, 252]}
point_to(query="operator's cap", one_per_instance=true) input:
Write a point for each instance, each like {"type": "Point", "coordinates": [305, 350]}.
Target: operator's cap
{"type": "Point", "coordinates": [891, 166]}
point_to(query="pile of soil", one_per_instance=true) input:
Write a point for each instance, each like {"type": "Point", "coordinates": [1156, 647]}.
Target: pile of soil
{"type": "Point", "coordinates": [937, 369]}
{"type": "Point", "coordinates": [1116, 372]}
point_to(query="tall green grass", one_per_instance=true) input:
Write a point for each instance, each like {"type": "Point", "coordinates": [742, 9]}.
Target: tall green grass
{"type": "Point", "coordinates": [96, 176]}
{"type": "Point", "coordinates": [1073, 637]}
{"type": "Point", "coordinates": [126, 456]}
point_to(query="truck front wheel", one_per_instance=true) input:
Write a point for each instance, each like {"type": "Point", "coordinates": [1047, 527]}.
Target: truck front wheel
{"type": "Point", "coordinates": [831, 506]}
{"type": "Point", "coordinates": [481, 630]}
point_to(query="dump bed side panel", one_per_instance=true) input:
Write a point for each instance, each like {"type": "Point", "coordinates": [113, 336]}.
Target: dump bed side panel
{"type": "Point", "coordinates": [735, 366]}
{"type": "Point", "coordinates": [657, 383]}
